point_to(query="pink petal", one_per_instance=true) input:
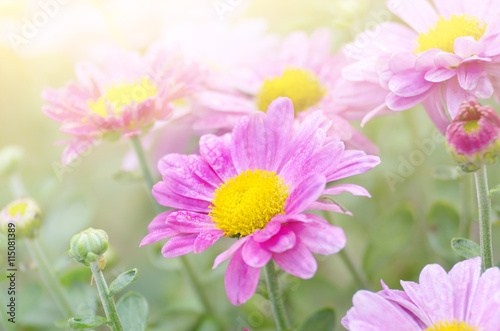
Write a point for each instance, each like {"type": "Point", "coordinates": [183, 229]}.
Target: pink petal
{"type": "Point", "coordinates": [409, 84]}
{"type": "Point", "coordinates": [319, 236]}
{"type": "Point", "coordinates": [434, 294]}
{"type": "Point", "coordinates": [282, 241]}
{"type": "Point", "coordinates": [297, 261]}
{"type": "Point", "coordinates": [466, 47]}
{"type": "Point", "coordinates": [217, 153]}
{"type": "Point", "coordinates": [464, 277]}
{"type": "Point", "coordinates": [418, 14]}
{"type": "Point", "coordinates": [353, 163]}
{"type": "Point", "coordinates": [469, 74]}
{"type": "Point", "coordinates": [351, 188]}
{"type": "Point", "coordinates": [305, 193]}
{"type": "Point", "coordinates": [447, 60]}
{"type": "Point", "coordinates": [454, 95]}
{"type": "Point", "coordinates": [267, 232]}
{"type": "Point", "coordinates": [329, 206]}
{"type": "Point", "coordinates": [179, 245]}
{"type": "Point", "coordinates": [439, 75]}
{"type": "Point", "coordinates": [158, 235]}
{"type": "Point", "coordinates": [484, 89]}
{"type": "Point", "coordinates": [184, 221]}
{"type": "Point", "coordinates": [206, 239]}
{"type": "Point", "coordinates": [254, 254]}
{"type": "Point", "coordinates": [397, 103]}
{"type": "Point", "coordinates": [435, 109]}
{"type": "Point", "coordinates": [166, 197]}
{"type": "Point", "coordinates": [241, 279]}
{"type": "Point", "coordinates": [229, 252]}
{"type": "Point", "coordinates": [485, 305]}
{"type": "Point", "coordinates": [372, 312]}
{"type": "Point", "coordinates": [400, 62]}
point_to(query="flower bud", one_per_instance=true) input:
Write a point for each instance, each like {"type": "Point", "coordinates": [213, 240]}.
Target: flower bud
{"type": "Point", "coordinates": [24, 214]}
{"type": "Point", "coordinates": [89, 246]}
{"type": "Point", "coordinates": [472, 138]}
{"type": "Point", "coordinates": [10, 158]}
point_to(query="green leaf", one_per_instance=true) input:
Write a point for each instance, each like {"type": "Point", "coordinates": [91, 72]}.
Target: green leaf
{"type": "Point", "coordinates": [122, 281]}
{"type": "Point", "coordinates": [442, 221]}
{"type": "Point", "coordinates": [86, 322]}
{"type": "Point", "coordinates": [133, 312]}
{"type": "Point", "coordinates": [323, 320]}
{"type": "Point", "coordinates": [465, 248]}
{"type": "Point", "coordinates": [494, 191]}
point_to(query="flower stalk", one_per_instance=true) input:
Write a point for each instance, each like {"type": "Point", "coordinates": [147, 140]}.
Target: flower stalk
{"type": "Point", "coordinates": [108, 303]}
{"type": "Point", "coordinates": [49, 277]}
{"type": "Point", "coordinates": [484, 207]}
{"type": "Point", "coordinates": [275, 297]}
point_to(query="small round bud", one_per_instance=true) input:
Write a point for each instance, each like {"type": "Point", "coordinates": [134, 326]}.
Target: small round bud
{"type": "Point", "coordinates": [10, 158]}
{"type": "Point", "coordinates": [22, 217]}
{"type": "Point", "coordinates": [89, 246]}
{"type": "Point", "coordinates": [472, 138]}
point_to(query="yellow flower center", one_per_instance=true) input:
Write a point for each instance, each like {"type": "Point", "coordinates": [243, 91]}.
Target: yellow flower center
{"type": "Point", "coordinates": [444, 33]}
{"type": "Point", "coordinates": [453, 326]}
{"type": "Point", "coordinates": [123, 95]}
{"type": "Point", "coordinates": [248, 202]}
{"type": "Point", "coordinates": [302, 86]}
{"type": "Point", "coordinates": [17, 208]}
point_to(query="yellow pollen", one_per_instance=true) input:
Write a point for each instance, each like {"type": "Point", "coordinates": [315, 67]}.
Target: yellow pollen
{"type": "Point", "coordinates": [444, 33]}
{"type": "Point", "coordinates": [18, 208]}
{"type": "Point", "coordinates": [123, 95]}
{"type": "Point", "coordinates": [302, 86]}
{"type": "Point", "coordinates": [453, 326]}
{"type": "Point", "coordinates": [245, 203]}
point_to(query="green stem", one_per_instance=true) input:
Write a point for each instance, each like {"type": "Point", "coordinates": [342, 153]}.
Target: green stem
{"type": "Point", "coordinates": [146, 173]}
{"type": "Point", "coordinates": [107, 302]}
{"type": "Point", "coordinates": [484, 207]}
{"type": "Point", "coordinates": [148, 179]}
{"type": "Point", "coordinates": [196, 284]}
{"type": "Point", "coordinates": [359, 277]}
{"type": "Point", "coordinates": [465, 206]}
{"type": "Point", "coordinates": [49, 277]}
{"type": "Point", "coordinates": [275, 297]}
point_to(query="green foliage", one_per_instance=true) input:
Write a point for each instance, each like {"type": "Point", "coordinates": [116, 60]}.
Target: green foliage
{"type": "Point", "coordinates": [494, 191]}
{"type": "Point", "coordinates": [133, 311]}
{"type": "Point", "coordinates": [322, 320]}
{"type": "Point", "coordinates": [122, 281]}
{"type": "Point", "coordinates": [398, 229]}
{"type": "Point", "coordinates": [442, 223]}
{"type": "Point", "coordinates": [465, 248]}
{"type": "Point", "coordinates": [86, 322]}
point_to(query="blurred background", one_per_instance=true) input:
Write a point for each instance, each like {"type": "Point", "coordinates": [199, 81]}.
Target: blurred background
{"type": "Point", "coordinates": [415, 210]}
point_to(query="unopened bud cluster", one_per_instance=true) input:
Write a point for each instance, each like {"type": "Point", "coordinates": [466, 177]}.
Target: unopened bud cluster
{"type": "Point", "coordinates": [89, 246]}
{"type": "Point", "coordinates": [472, 138]}
{"type": "Point", "coordinates": [26, 216]}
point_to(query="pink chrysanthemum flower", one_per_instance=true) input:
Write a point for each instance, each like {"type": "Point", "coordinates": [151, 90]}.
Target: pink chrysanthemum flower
{"type": "Point", "coordinates": [448, 55]}
{"type": "Point", "coordinates": [123, 99]}
{"type": "Point", "coordinates": [461, 300]}
{"type": "Point", "coordinates": [254, 184]}
{"type": "Point", "coordinates": [302, 69]}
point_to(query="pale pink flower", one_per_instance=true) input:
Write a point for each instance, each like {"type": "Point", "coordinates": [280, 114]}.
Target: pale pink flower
{"type": "Point", "coordinates": [463, 299]}
{"type": "Point", "coordinates": [123, 99]}
{"type": "Point", "coordinates": [304, 69]}
{"type": "Point", "coordinates": [448, 54]}
{"type": "Point", "coordinates": [254, 184]}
